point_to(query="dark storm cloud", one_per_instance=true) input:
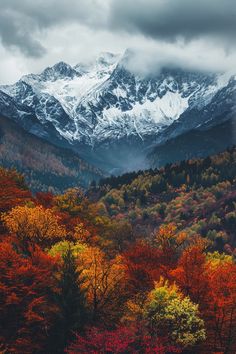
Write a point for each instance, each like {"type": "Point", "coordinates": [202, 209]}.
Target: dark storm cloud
{"type": "Point", "coordinates": [15, 35]}
{"type": "Point", "coordinates": [191, 33]}
{"type": "Point", "coordinates": [22, 20]}
{"type": "Point", "coordinates": [173, 19]}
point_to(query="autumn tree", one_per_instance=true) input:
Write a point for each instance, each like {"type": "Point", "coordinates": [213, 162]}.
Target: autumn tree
{"type": "Point", "coordinates": [190, 275]}
{"type": "Point", "coordinates": [81, 234]}
{"type": "Point", "coordinates": [103, 341]}
{"type": "Point", "coordinates": [122, 235]}
{"type": "Point", "coordinates": [61, 248]}
{"type": "Point", "coordinates": [27, 288]}
{"type": "Point", "coordinates": [117, 236]}
{"type": "Point", "coordinates": [221, 312]}
{"type": "Point", "coordinates": [103, 282]}
{"type": "Point", "coordinates": [123, 340]}
{"type": "Point", "coordinates": [167, 237]}
{"type": "Point", "coordinates": [46, 199]}
{"type": "Point", "coordinates": [34, 225]}
{"type": "Point", "coordinates": [72, 201]}
{"type": "Point", "coordinates": [169, 313]}
{"type": "Point", "coordinates": [13, 190]}
{"type": "Point", "coordinates": [209, 279]}
{"type": "Point", "coordinates": [145, 264]}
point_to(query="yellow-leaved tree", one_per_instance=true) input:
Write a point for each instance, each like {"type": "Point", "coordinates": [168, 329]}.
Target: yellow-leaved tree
{"type": "Point", "coordinates": [168, 312]}
{"type": "Point", "coordinates": [104, 282]}
{"type": "Point", "coordinates": [34, 225]}
{"type": "Point", "coordinates": [168, 237]}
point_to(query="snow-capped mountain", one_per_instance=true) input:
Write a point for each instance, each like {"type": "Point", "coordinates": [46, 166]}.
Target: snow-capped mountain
{"type": "Point", "coordinates": [103, 102]}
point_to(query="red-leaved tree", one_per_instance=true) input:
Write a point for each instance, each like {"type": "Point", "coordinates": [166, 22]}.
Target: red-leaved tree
{"type": "Point", "coordinates": [122, 340]}
{"type": "Point", "coordinates": [26, 291]}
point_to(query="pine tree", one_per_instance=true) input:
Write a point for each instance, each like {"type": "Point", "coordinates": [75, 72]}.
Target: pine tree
{"type": "Point", "coordinates": [72, 305]}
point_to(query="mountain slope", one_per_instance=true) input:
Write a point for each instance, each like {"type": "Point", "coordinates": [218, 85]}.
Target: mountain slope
{"type": "Point", "coordinates": [195, 143]}
{"type": "Point", "coordinates": [45, 166]}
{"type": "Point", "coordinates": [104, 110]}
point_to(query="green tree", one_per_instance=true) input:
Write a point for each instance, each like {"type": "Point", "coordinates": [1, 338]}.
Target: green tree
{"type": "Point", "coordinates": [71, 302]}
{"type": "Point", "coordinates": [169, 312]}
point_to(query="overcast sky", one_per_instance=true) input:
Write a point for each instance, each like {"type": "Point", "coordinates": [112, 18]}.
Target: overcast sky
{"type": "Point", "coordinates": [197, 34]}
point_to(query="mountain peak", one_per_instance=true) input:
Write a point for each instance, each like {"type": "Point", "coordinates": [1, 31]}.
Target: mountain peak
{"type": "Point", "coordinates": [61, 65]}
{"type": "Point", "coordinates": [102, 100]}
{"type": "Point", "coordinates": [60, 70]}
{"type": "Point", "coordinates": [102, 65]}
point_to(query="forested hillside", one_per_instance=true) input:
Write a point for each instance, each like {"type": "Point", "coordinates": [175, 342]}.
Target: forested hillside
{"type": "Point", "coordinates": [202, 142]}
{"type": "Point", "coordinates": [197, 195]}
{"type": "Point", "coordinates": [141, 263]}
{"type": "Point", "coordinates": [45, 166]}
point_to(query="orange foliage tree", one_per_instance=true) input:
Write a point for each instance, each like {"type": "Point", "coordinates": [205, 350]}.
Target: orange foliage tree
{"type": "Point", "coordinates": [27, 311]}
{"type": "Point", "coordinates": [13, 190]}
{"type": "Point", "coordinates": [144, 264]}
{"type": "Point", "coordinates": [103, 280]}
{"type": "Point", "coordinates": [190, 274]}
{"type": "Point", "coordinates": [34, 226]}
{"type": "Point", "coordinates": [222, 305]}
{"type": "Point", "coordinates": [210, 281]}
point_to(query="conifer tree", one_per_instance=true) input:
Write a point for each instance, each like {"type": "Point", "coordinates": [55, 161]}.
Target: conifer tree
{"type": "Point", "coordinates": [71, 302]}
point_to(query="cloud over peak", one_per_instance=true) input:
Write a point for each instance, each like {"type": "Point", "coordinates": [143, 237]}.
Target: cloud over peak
{"type": "Point", "coordinates": [174, 19]}
{"type": "Point", "coordinates": [35, 34]}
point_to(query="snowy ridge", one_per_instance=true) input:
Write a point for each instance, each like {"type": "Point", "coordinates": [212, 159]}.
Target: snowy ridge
{"type": "Point", "coordinates": [103, 100]}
